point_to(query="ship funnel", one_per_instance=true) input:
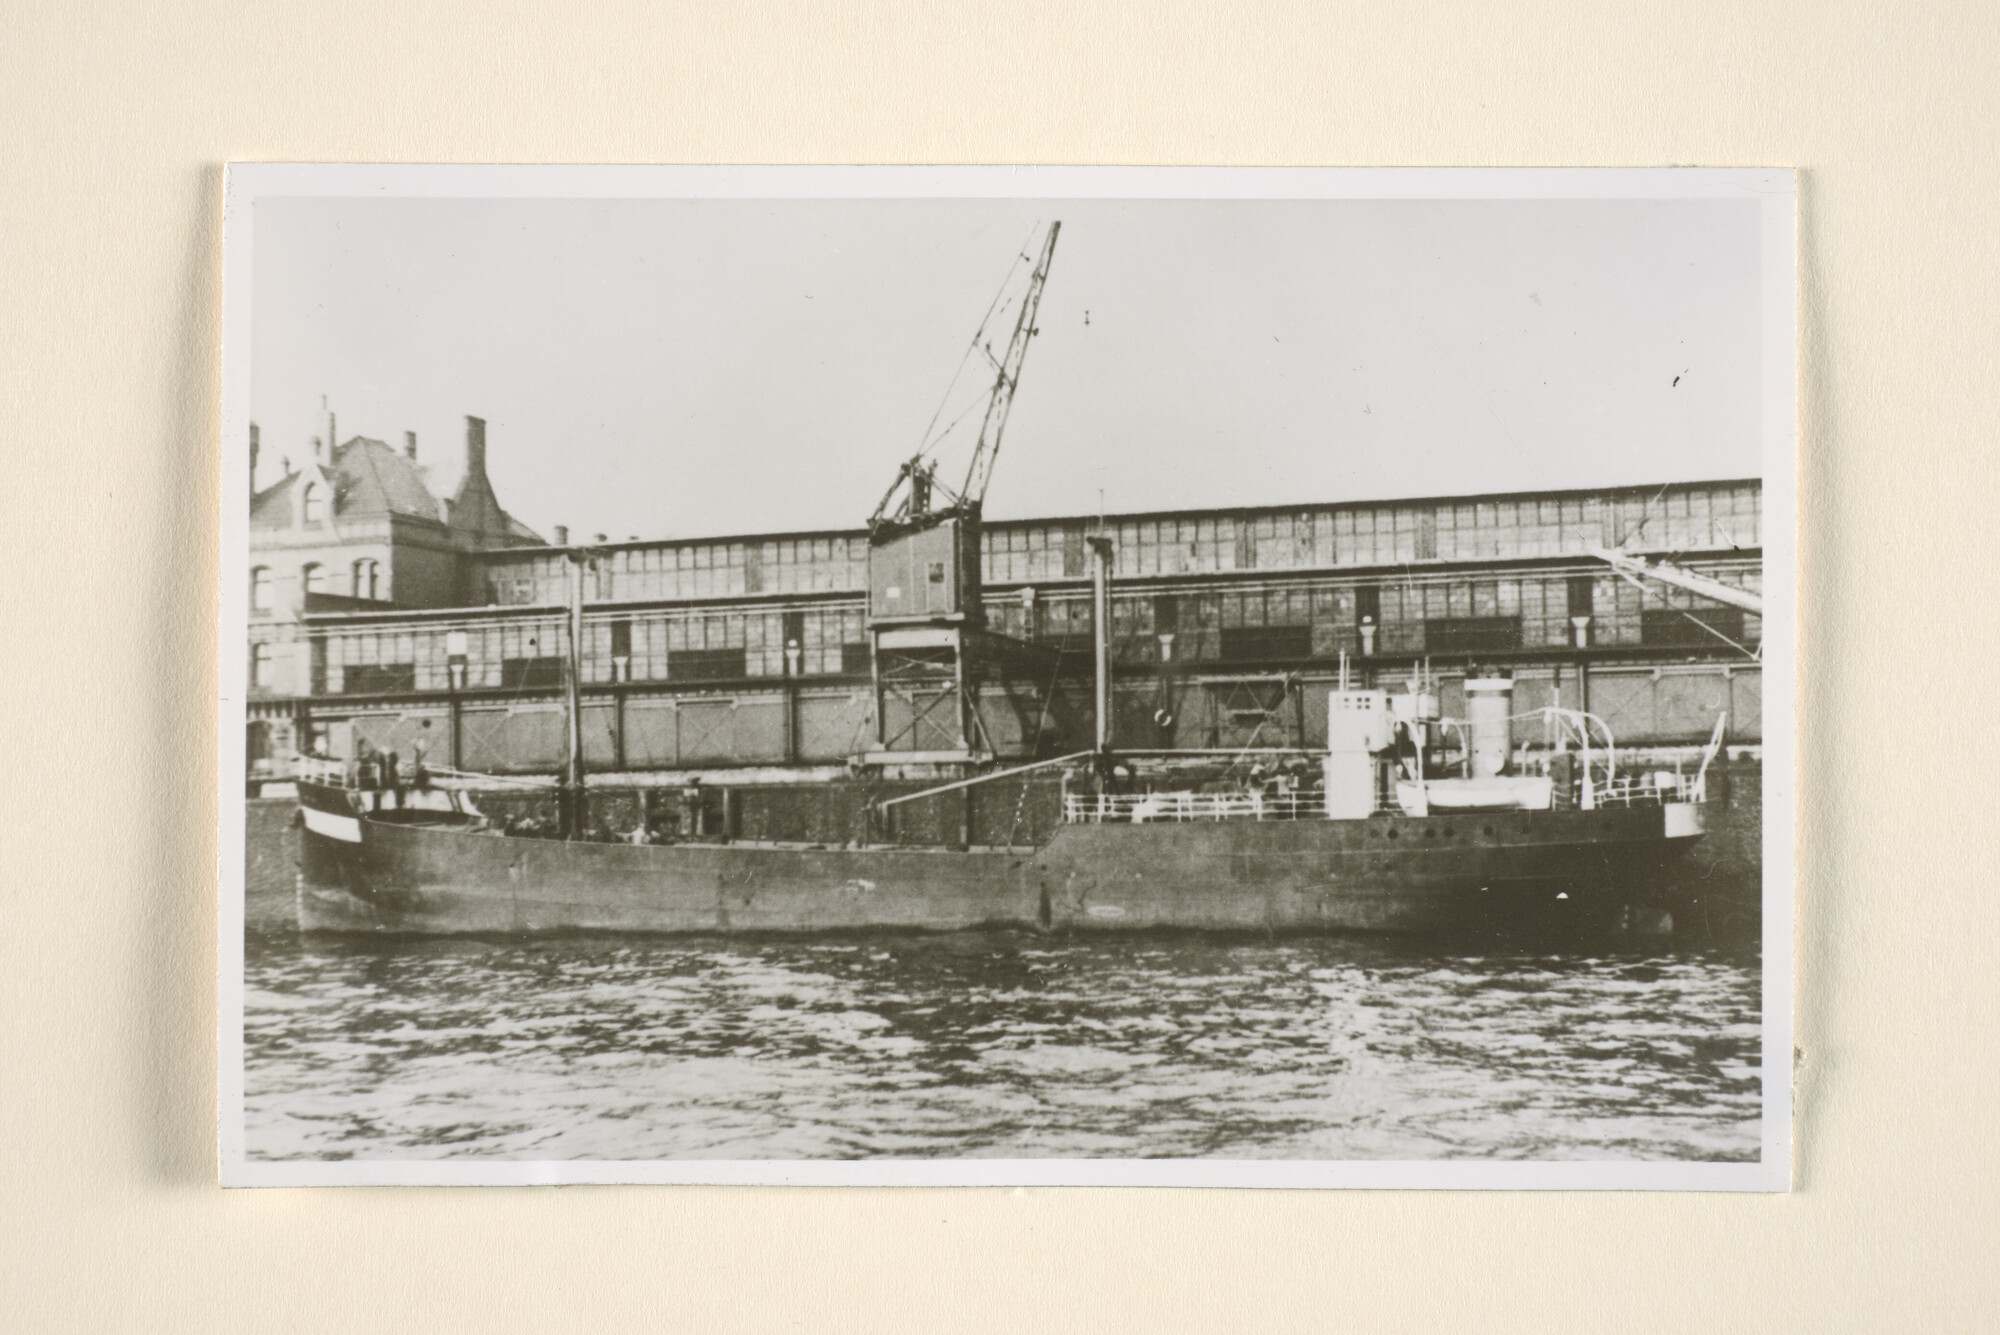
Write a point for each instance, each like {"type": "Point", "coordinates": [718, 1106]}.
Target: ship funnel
{"type": "Point", "coordinates": [1489, 705]}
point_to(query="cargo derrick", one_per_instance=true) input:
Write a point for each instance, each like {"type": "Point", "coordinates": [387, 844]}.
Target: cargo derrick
{"type": "Point", "coordinates": [1636, 570]}
{"type": "Point", "coordinates": [926, 619]}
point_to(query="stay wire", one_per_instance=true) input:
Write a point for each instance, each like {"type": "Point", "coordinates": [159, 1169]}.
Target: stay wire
{"type": "Point", "coordinates": [927, 443]}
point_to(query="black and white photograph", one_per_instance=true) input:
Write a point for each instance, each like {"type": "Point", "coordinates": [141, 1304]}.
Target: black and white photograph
{"type": "Point", "coordinates": [1209, 676]}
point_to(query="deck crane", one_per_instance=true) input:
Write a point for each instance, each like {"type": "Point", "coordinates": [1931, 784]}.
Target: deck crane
{"type": "Point", "coordinates": [1635, 568]}
{"type": "Point", "coordinates": [925, 604]}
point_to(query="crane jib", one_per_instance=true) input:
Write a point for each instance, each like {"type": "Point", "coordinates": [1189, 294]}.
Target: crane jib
{"type": "Point", "coordinates": [923, 498]}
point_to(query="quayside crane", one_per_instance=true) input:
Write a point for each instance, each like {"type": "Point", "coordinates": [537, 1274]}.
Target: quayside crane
{"type": "Point", "coordinates": [925, 609]}
{"type": "Point", "coordinates": [916, 500]}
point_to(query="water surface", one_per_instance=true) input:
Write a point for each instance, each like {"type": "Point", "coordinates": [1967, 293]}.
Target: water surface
{"type": "Point", "coordinates": [996, 1044]}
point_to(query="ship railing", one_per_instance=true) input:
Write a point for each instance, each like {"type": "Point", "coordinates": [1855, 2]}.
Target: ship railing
{"type": "Point", "coordinates": [447, 777]}
{"type": "Point", "coordinates": [367, 775]}
{"type": "Point", "coordinates": [1654, 788]}
{"type": "Point", "coordinates": [1619, 788]}
{"type": "Point", "coordinates": [318, 769]}
{"type": "Point", "coordinates": [1186, 808]}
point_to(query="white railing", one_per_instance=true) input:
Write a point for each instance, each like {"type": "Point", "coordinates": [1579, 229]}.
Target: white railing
{"type": "Point", "coordinates": [1609, 787]}
{"type": "Point", "coordinates": [318, 769]}
{"type": "Point", "coordinates": [1651, 789]}
{"type": "Point", "coordinates": [367, 774]}
{"type": "Point", "coordinates": [1183, 808]}
{"type": "Point", "coordinates": [447, 777]}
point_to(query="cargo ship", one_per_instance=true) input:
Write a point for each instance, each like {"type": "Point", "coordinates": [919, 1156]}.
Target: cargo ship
{"type": "Point", "coordinates": [1375, 842]}
{"type": "Point", "coordinates": [1406, 821]}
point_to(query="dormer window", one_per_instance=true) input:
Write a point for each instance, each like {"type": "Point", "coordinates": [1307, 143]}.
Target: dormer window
{"type": "Point", "coordinates": [260, 589]}
{"type": "Point", "coordinates": [312, 507]}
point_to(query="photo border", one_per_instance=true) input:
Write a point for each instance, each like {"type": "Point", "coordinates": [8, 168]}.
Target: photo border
{"type": "Point", "coordinates": [1774, 189]}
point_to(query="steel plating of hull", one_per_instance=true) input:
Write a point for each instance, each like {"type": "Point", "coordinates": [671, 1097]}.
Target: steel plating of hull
{"type": "Point", "coordinates": [1480, 871]}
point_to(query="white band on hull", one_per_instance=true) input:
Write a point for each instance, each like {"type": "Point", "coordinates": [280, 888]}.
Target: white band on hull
{"type": "Point", "coordinates": [1684, 820]}
{"type": "Point", "coordinates": [344, 828]}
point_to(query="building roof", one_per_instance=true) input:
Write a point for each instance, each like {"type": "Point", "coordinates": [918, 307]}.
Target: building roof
{"type": "Point", "coordinates": [272, 507]}
{"type": "Point", "coordinates": [1652, 491]}
{"type": "Point", "coordinates": [371, 478]}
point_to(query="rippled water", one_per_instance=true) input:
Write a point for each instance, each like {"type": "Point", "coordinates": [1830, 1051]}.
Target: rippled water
{"type": "Point", "coordinates": [999, 1045]}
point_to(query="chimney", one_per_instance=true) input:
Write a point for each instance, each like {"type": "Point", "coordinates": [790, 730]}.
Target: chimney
{"type": "Point", "coordinates": [475, 448]}
{"type": "Point", "coordinates": [562, 535]}
{"type": "Point", "coordinates": [410, 445]}
{"type": "Point", "coordinates": [253, 456]}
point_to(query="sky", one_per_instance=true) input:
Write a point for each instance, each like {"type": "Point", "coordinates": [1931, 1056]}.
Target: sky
{"type": "Point", "coordinates": [683, 368]}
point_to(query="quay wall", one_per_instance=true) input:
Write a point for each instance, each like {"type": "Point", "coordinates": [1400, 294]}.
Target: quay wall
{"type": "Point", "coordinates": [1721, 882]}
{"type": "Point", "coordinates": [270, 866]}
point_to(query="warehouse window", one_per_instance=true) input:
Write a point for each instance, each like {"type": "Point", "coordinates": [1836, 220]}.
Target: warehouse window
{"type": "Point", "coordinates": [1427, 535]}
{"type": "Point", "coordinates": [313, 577]}
{"type": "Point", "coordinates": [366, 579]}
{"type": "Point", "coordinates": [1072, 553]}
{"type": "Point", "coordinates": [1691, 628]}
{"type": "Point", "coordinates": [1368, 603]}
{"type": "Point", "coordinates": [260, 589]}
{"type": "Point", "coordinates": [1472, 635]}
{"type": "Point", "coordinates": [706, 665]}
{"type": "Point", "coordinates": [1266, 644]}
{"type": "Point", "coordinates": [1582, 595]}
{"type": "Point", "coordinates": [380, 678]}
{"type": "Point", "coordinates": [533, 673]}
{"type": "Point", "coordinates": [261, 665]}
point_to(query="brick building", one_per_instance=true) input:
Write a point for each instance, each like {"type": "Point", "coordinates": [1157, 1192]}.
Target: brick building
{"type": "Point", "coordinates": [752, 651]}
{"type": "Point", "coordinates": [356, 529]}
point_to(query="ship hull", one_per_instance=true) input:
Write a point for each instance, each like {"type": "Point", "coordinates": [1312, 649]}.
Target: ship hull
{"type": "Point", "coordinates": [1480, 872]}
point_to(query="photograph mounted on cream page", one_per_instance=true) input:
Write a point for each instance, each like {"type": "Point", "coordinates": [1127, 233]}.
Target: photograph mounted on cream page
{"type": "Point", "coordinates": [1223, 676]}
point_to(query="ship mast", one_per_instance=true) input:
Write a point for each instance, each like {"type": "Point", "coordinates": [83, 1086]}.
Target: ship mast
{"type": "Point", "coordinates": [573, 807]}
{"type": "Point", "coordinates": [1100, 623]}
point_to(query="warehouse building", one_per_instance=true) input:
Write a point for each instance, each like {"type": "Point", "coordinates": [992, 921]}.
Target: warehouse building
{"type": "Point", "coordinates": [412, 624]}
